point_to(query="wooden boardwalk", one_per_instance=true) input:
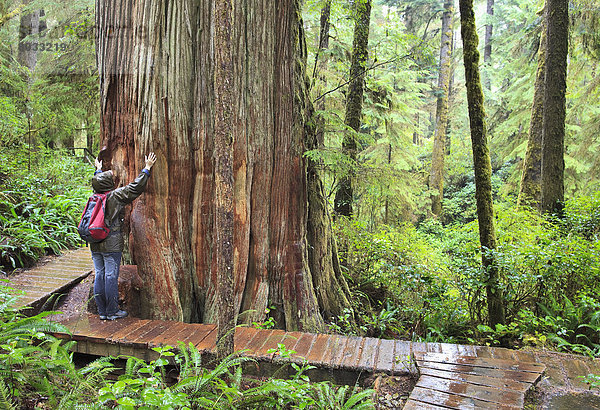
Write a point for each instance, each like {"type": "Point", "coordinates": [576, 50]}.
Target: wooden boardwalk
{"type": "Point", "coordinates": [58, 275]}
{"type": "Point", "coordinates": [449, 375]}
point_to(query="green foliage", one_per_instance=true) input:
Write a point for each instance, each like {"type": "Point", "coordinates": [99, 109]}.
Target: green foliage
{"type": "Point", "coordinates": [36, 366]}
{"type": "Point", "coordinates": [399, 282]}
{"type": "Point", "coordinates": [428, 283]}
{"type": "Point", "coordinates": [592, 380]}
{"type": "Point", "coordinates": [40, 210]}
{"type": "Point", "coordinates": [144, 386]}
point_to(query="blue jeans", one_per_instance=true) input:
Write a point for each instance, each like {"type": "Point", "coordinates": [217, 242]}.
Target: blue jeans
{"type": "Point", "coordinates": [106, 283]}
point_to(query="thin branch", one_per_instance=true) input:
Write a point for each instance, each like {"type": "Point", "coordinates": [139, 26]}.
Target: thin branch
{"type": "Point", "coordinates": [373, 66]}
{"type": "Point", "coordinates": [4, 19]}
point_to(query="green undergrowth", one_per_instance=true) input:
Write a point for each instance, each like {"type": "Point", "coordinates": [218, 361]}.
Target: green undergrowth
{"type": "Point", "coordinates": [427, 283]}
{"type": "Point", "coordinates": [42, 194]}
{"type": "Point", "coordinates": [38, 371]}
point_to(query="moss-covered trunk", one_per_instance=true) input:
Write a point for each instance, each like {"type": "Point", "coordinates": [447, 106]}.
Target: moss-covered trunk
{"type": "Point", "coordinates": [530, 192]}
{"type": "Point", "coordinates": [436, 178]}
{"type": "Point", "coordinates": [555, 88]}
{"type": "Point", "coordinates": [354, 99]}
{"type": "Point", "coordinates": [481, 163]}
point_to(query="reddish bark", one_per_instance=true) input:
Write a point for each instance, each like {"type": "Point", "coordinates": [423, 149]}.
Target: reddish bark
{"type": "Point", "coordinates": [158, 92]}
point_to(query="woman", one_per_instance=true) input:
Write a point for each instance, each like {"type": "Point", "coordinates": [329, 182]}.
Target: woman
{"type": "Point", "coordinates": [107, 254]}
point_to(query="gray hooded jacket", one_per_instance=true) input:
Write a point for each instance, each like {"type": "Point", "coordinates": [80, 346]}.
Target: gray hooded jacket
{"type": "Point", "coordinates": [115, 207]}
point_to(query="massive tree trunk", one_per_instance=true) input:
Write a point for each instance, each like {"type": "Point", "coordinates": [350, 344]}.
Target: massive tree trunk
{"type": "Point", "coordinates": [481, 163]}
{"type": "Point", "coordinates": [555, 87]}
{"type": "Point", "coordinates": [358, 66]}
{"type": "Point", "coordinates": [158, 92]}
{"type": "Point", "coordinates": [530, 192]}
{"type": "Point", "coordinates": [436, 178]}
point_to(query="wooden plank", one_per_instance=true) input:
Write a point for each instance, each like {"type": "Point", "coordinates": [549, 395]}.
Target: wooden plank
{"type": "Point", "coordinates": [303, 346]}
{"type": "Point", "coordinates": [243, 337]}
{"type": "Point", "coordinates": [147, 332]}
{"type": "Point", "coordinates": [290, 339]}
{"type": "Point", "coordinates": [385, 358]}
{"type": "Point", "coordinates": [30, 279]}
{"type": "Point", "coordinates": [352, 352]}
{"type": "Point", "coordinates": [451, 348]}
{"type": "Point", "coordinates": [368, 356]}
{"type": "Point", "coordinates": [526, 377]}
{"type": "Point", "coordinates": [105, 329]}
{"type": "Point", "coordinates": [524, 356]}
{"type": "Point", "coordinates": [485, 362]}
{"type": "Point", "coordinates": [259, 340]}
{"type": "Point", "coordinates": [418, 405]}
{"type": "Point", "coordinates": [503, 384]}
{"type": "Point", "coordinates": [198, 331]}
{"type": "Point", "coordinates": [270, 343]}
{"type": "Point", "coordinates": [485, 393]}
{"type": "Point", "coordinates": [209, 343]}
{"type": "Point", "coordinates": [320, 349]}
{"type": "Point", "coordinates": [418, 347]}
{"type": "Point", "coordinates": [169, 337]}
{"type": "Point", "coordinates": [503, 354]}
{"type": "Point", "coordinates": [466, 350]}
{"type": "Point", "coordinates": [403, 354]}
{"type": "Point", "coordinates": [433, 347]}
{"type": "Point", "coordinates": [119, 336]}
{"type": "Point", "coordinates": [136, 337]}
{"type": "Point", "coordinates": [483, 351]}
{"type": "Point", "coordinates": [338, 345]}
{"type": "Point", "coordinates": [453, 401]}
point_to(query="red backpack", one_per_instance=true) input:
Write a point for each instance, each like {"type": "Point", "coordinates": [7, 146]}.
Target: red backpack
{"type": "Point", "coordinates": [92, 227]}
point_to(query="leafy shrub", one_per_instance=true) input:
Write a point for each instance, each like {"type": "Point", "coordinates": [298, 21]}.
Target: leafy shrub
{"type": "Point", "coordinates": [399, 280]}
{"type": "Point", "coordinates": [39, 210]}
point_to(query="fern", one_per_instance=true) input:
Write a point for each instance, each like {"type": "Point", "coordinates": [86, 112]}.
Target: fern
{"type": "Point", "coordinates": [5, 400]}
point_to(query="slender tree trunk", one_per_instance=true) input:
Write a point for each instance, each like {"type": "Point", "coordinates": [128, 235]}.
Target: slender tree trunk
{"type": "Point", "coordinates": [555, 87]}
{"type": "Point", "coordinates": [321, 65]}
{"type": "Point", "coordinates": [29, 30]}
{"type": "Point", "coordinates": [360, 52]}
{"type": "Point", "coordinates": [530, 192]}
{"type": "Point", "coordinates": [481, 162]}
{"type": "Point", "coordinates": [487, 49]}
{"type": "Point", "coordinates": [436, 178]}
{"type": "Point", "coordinates": [159, 83]}
{"type": "Point", "coordinates": [224, 176]}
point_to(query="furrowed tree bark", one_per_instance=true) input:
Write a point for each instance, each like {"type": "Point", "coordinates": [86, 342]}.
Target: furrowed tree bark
{"type": "Point", "coordinates": [555, 88]}
{"type": "Point", "coordinates": [482, 163]}
{"type": "Point", "coordinates": [530, 192]}
{"type": "Point", "coordinates": [159, 91]}
{"type": "Point", "coordinates": [345, 192]}
{"type": "Point", "coordinates": [436, 178]}
{"type": "Point", "coordinates": [224, 177]}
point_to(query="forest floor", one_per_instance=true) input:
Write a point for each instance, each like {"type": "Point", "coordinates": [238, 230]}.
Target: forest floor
{"type": "Point", "coordinates": [561, 387]}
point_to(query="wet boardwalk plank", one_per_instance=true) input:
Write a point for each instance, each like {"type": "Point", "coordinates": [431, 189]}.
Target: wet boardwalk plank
{"type": "Point", "coordinates": [447, 380]}
{"type": "Point", "coordinates": [494, 380]}
{"type": "Point", "coordinates": [41, 282]}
